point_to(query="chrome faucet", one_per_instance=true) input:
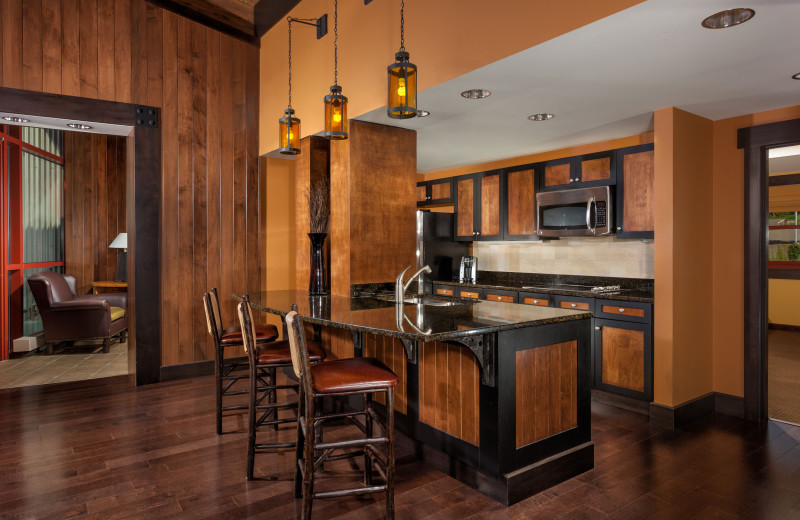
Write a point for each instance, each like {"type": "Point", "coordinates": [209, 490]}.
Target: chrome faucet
{"type": "Point", "coordinates": [400, 287]}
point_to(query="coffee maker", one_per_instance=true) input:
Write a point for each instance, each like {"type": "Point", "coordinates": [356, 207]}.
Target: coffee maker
{"type": "Point", "coordinates": [469, 269]}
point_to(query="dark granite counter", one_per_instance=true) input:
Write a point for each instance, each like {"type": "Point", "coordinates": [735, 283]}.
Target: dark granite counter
{"type": "Point", "coordinates": [631, 289]}
{"type": "Point", "coordinates": [418, 322]}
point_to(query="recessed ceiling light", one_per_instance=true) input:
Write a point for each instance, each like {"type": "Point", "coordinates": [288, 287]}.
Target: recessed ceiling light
{"type": "Point", "coordinates": [15, 119]}
{"type": "Point", "coordinates": [79, 126]}
{"type": "Point", "coordinates": [728, 18]}
{"type": "Point", "coordinates": [541, 117]}
{"type": "Point", "coordinates": [796, 76]}
{"type": "Point", "coordinates": [476, 93]}
{"type": "Point", "coordinates": [423, 113]}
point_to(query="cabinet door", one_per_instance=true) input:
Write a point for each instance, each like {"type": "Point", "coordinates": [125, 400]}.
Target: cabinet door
{"type": "Point", "coordinates": [440, 191]}
{"type": "Point", "coordinates": [597, 169]}
{"type": "Point", "coordinates": [623, 360]}
{"type": "Point", "coordinates": [635, 180]}
{"type": "Point", "coordinates": [520, 204]}
{"type": "Point", "coordinates": [422, 193]}
{"type": "Point", "coordinates": [464, 208]}
{"type": "Point", "coordinates": [490, 207]}
{"type": "Point", "coordinates": [559, 174]}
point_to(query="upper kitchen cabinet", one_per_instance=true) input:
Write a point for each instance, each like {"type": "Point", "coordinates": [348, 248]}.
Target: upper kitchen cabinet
{"type": "Point", "coordinates": [520, 196]}
{"type": "Point", "coordinates": [583, 171]}
{"type": "Point", "coordinates": [635, 179]}
{"type": "Point", "coordinates": [478, 206]}
{"type": "Point", "coordinates": [439, 191]}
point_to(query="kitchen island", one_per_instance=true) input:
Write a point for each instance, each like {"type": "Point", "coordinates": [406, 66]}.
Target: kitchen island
{"type": "Point", "coordinates": [496, 395]}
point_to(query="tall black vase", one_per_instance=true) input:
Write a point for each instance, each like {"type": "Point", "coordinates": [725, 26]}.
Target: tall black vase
{"type": "Point", "coordinates": [318, 281]}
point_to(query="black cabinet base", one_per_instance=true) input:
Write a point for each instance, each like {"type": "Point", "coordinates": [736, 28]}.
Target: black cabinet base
{"type": "Point", "coordinates": [517, 485]}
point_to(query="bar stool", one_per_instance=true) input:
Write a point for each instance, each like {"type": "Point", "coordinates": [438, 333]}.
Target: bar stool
{"type": "Point", "coordinates": [229, 371]}
{"type": "Point", "coordinates": [341, 377]}
{"type": "Point", "coordinates": [264, 360]}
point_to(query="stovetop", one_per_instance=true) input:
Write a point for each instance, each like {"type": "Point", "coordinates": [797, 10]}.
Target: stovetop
{"type": "Point", "coordinates": [576, 287]}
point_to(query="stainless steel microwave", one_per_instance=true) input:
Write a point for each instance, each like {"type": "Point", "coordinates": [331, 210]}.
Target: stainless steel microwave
{"type": "Point", "coordinates": [576, 212]}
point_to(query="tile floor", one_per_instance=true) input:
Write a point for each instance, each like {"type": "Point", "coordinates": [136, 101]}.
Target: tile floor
{"type": "Point", "coordinates": [71, 364]}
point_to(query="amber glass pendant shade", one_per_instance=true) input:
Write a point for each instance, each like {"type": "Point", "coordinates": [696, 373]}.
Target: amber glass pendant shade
{"type": "Point", "coordinates": [402, 102]}
{"type": "Point", "coordinates": [336, 114]}
{"type": "Point", "coordinates": [289, 133]}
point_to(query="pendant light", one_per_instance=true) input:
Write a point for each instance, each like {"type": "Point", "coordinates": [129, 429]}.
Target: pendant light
{"type": "Point", "coordinates": [335, 102]}
{"type": "Point", "coordinates": [402, 102]}
{"type": "Point", "coordinates": [288, 125]}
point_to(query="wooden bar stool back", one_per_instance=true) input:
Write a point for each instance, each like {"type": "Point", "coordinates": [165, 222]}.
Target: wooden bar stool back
{"type": "Point", "coordinates": [264, 359]}
{"type": "Point", "coordinates": [341, 377]}
{"type": "Point", "coordinates": [229, 370]}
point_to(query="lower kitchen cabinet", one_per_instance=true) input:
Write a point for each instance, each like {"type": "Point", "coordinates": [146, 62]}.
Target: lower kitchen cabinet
{"type": "Point", "coordinates": [458, 291]}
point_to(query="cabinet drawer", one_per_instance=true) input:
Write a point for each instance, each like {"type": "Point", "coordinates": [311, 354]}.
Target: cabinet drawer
{"type": "Point", "coordinates": [542, 300]}
{"type": "Point", "coordinates": [444, 292]}
{"type": "Point", "coordinates": [621, 310]}
{"type": "Point", "coordinates": [575, 303]}
{"type": "Point", "coordinates": [498, 295]}
{"type": "Point", "coordinates": [466, 293]}
{"type": "Point", "coordinates": [568, 304]}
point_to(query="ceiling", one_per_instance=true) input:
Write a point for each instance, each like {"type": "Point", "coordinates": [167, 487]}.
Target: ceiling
{"type": "Point", "coordinates": [605, 80]}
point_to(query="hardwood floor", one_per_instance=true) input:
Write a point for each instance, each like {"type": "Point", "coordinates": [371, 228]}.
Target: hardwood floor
{"type": "Point", "coordinates": [105, 449]}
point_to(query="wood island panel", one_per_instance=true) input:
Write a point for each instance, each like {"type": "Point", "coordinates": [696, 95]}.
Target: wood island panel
{"type": "Point", "coordinates": [546, 391]}
{"type": "Point", "coordinates": [490, 205]}
{"type": "Point", "coordinates": [449, 384]}
{"type": "Point", "coordinates": [638, 170]}
{"type": "Point", "coordinates": [557, 174]}
{"type": "Point", "coordinates": [465, 215]}
{"type": "Point", "coordinates": [623, 358]}
{"type": "Point", "coordinates": [596, 169]}
{"type": "Point", "coordinates": [390, 352]}
{"type": "Point", "coordinates": [521, 193]}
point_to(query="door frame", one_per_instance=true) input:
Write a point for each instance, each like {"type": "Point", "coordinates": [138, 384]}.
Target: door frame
{"type": "Point", "coordinates": [756, 141]}
{"type": "Point", "coordinates": [143, 194]}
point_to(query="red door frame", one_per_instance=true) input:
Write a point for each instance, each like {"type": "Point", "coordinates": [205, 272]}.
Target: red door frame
{"type": "Point", "coordinates": [12, 266]}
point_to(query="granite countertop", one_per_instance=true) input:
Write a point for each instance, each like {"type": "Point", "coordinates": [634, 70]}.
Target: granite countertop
{"type": "Point", "coordinates": [631, 290]}
{"type": "Point", "coordinates": [419, 322]}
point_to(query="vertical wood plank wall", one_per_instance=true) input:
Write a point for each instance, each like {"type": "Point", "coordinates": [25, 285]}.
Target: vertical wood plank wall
{"type": "Point", "coordinates": [546, 390]}
{"type": "Point", "coordinates": [94, 205]}
{"type": "Point", "coordinates": [206, 84]}
{"type": "Point", "coordinates": [449, 390]}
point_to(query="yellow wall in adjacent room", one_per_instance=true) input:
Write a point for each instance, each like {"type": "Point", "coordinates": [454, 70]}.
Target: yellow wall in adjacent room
{"type": "Point", "coordinates": [784, 302]}
{"type": "Point", "coordinates": [369, 36]}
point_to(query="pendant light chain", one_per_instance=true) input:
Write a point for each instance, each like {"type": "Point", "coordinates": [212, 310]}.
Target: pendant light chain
{"type": "Point", "coordinates": [402, 27]}
{"type": "Point", "coordinates": [335, 42]}
{"type": "Point", "coordinates": [290, 60]}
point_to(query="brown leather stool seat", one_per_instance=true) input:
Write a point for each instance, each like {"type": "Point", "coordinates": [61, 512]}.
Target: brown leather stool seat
{"type": "Point", "coordinates": [350, 375]}
{"type": "Point", "coordinates": [232, 336]}
{"type": "Point", "coordinates": [278, 352]}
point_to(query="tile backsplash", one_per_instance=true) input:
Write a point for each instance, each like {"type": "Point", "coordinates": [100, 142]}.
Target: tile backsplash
{"type": "Point", "coordinates": [593, 256]}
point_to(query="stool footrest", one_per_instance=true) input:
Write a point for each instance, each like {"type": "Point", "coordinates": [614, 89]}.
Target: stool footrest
{"type": "Point", "coordinates": [274, 446]}
{"type": "Point", "coordinates": [350, 444]}
{"type": "Point", "coordinates": [349, 492]}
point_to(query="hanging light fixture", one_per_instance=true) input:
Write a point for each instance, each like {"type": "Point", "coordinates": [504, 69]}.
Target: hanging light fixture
{"type": "Point", "coordinates": [335, 102]}
{"type": "Point", "coordinates": [402, 80]}
{"type": "Point", "coordinates": [288, 125]}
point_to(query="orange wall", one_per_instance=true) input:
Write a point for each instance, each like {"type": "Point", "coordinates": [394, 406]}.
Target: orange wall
{"type": "Point", "coordinates": [728, 247]}
{"type": "Point", "coordinates": [683, 259]}
{"type": "Point", "coordinates": [445, 39]}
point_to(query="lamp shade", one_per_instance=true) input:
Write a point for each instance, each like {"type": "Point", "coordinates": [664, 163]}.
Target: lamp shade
{"type": "Point", "coordinates": [289, 133]}
{"type": "Point", "coordinates": [402, 103]}
{"type": "Point", "coordinates": [336, 114]}
{"type": "Point", "coordinates": [121, 242]}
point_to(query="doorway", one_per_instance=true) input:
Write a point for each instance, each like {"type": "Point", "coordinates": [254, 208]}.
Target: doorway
{"type": "Point", "coordinates": [783, 252]}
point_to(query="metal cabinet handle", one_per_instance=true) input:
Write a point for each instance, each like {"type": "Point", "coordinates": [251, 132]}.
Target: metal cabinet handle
{"type": "Point", "coordinates": [535, 301]}
{"type": "Point", "coordinates": [574, 304]}
{"type": "Point", "coordinates": [621, 310]}
{"type": "Point", "coordinates": [478, 233]}
{"type": "Point", "coordinates": [619, 228]}
{"type": "Point", "coordinates": [598, 328]}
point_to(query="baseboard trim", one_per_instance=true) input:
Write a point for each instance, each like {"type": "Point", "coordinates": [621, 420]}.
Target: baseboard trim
{"type": "Point", "coordinates": [780, 326]}
{"type": "Point", "coordinates": [187, 370]}
{"type": "Point", "coordinates": [673, 417]}
{"type": "Point", "coordinates": [621, 401]}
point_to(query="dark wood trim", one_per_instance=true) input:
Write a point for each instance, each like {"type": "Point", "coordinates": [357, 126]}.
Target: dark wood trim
{"type": "Point", "coordinates": [209, 21]}
{"type": "Point", "coordinates": [672, 417]}
{"type": "Point", "coordinates": [143, 210]}
{"type": "Point", "coordinates": [727, 404]}
{"type": "Point", "coordinates": [778, 326]}
{"type": "Point", "coordinates": [784, 274]}
{"type": "Point", "coordinates": [784, 180]}
{"type": "Point", "coordinates": [621, 401]}
{"type": "Point", "coordinates": [270, 12]}
{"type": "Point", "coordinates": [756, 140]}
{"type": "Point", "coordinates": [187, 370]}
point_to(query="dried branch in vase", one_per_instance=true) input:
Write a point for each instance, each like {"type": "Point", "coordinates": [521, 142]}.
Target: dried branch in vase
{"type": "Point", "coordinates": [318, 205]}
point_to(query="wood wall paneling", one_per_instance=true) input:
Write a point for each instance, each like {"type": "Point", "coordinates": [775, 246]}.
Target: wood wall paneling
{"type": "Point", "coordinates": [639, 178]}
{"type": "Point", "coordinates": [546, 391]}
{"type": "Point", "coordinates": [521, 194]}
{"type": "Point", "coordinates": [206, 85]}
{"type": "Point", "coordinates": [623, 358]}
{"type": "Point", "coordinates": [311, 164]}
{"type": "Point", "coordinates": [449, 383]}
{"type": "Point", "coordinates": [490, 205]}
{"type": "Point", "coordinates": [392, 353]}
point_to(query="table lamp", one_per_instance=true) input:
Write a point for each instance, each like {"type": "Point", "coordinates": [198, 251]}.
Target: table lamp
{"type": "Point", "coordinates": [121, 242]}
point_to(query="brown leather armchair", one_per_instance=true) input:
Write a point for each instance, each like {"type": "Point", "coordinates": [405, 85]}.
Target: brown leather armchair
{"type": "Point", "coordinates": [67, 317]}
